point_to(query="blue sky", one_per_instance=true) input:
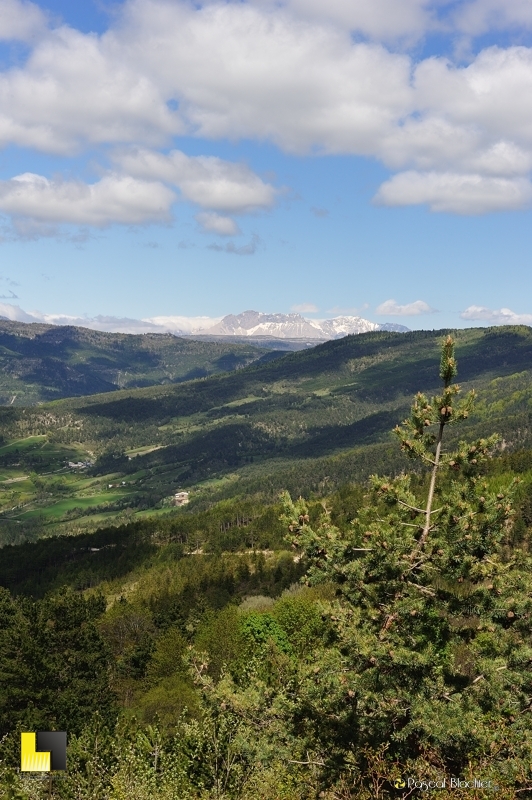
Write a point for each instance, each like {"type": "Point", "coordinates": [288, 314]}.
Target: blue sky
{"type": "Point", "coordinates": [169, 159]}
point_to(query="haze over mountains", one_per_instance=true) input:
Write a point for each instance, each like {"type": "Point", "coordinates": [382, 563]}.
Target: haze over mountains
{"type": "Point", "coordinates": [248, 323]}
{"type": "Point", "coordinates": [295, 326]}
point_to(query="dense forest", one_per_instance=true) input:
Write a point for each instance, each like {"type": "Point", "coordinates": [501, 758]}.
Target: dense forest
{"type": "Point", "coordinates": [361, 642]}
{"type": "Point", "coordinates": [46, 362]}
{"type": "Point", "coordinates": [307, 422]}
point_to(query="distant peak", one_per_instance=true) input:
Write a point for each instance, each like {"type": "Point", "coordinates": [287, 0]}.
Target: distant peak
{"type": "Point", "coordinates": [295, 326]}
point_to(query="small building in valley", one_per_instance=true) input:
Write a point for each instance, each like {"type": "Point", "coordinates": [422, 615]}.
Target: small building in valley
{"type": "Point", "coordinates": [181, 498]}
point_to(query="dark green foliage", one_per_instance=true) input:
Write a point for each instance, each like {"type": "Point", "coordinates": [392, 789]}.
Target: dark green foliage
{"type": "Point", "coordinates": [260, 629]}
{"type": "Point", "coordinates": [221, 636]}
{"type": "Point", "coordinates": [434, 620]}
{"type": "Point", "coordinates": [308, 422]}
{"type": "Point", "coordinates": [81, 562]}
{"type": "Point", "coordinates": [54, 664]}
{"type": "Point", "coordinates": [393, 640]}
{"type": "Point", "coordinates": [44, 362]}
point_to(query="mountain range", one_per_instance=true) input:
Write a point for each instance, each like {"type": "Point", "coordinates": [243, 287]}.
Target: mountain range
{"type": "Point", "coordinates": [294, 326]}
{"type": "Point", "coordinates": [248, 324]}
{"type": "Point", "coordinates": [45, 362]}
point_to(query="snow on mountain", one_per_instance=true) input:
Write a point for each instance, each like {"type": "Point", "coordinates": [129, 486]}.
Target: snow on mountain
{"type": "Point", "coordinates": [293, 326]}
{"type": "Point", "coordinates": [255, 323]}
{"type": "Point", "coordinates": [343, 326]}
{"type": "Point", "coordinates": [249, 323]}
{"type": "Point", "coordinates": [393, 326]}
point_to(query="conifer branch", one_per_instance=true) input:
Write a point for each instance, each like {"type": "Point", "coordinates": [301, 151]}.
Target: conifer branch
{"type": "Point", "coordinates": [412, 508]}
{"type": "Point", "coordinates": [306, 763]}
{"type": "Point", "coordinates": [419, 510]}
{"type": "Point", "coordinates": [423, 589]}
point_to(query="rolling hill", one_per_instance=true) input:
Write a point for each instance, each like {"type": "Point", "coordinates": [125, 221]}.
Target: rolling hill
{"type": "Point", "coordinates": [48, 362]}
{"type": "Point", "coordinates": [306, 421]}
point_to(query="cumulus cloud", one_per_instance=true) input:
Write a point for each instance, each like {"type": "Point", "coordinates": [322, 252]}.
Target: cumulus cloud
{"type": "Point", "coordinates": [456, 193]}
{"type": "Point", "coordinates": [305, 308]}
{"type": "Point", "coordinates": [487, 94]}
{"type": "Point", "coordinates": [211, 222]}
{"type": "Point", "coordinates": [479, 16]}
{"type": "Point", "coordinates": [292, 73]}
{"type": "Point", "coordinates": [75, 89]}
{"type": "Point", "coordinates": [168, 324]}
{"type": "Point", "coordinates": [115, 198]}
{"type": "Point", "coordinates": [16, 314]}
{"type": "Point", "coordinates": [392, 309]}
{"type": "Point", "coordinates": [20, 21]}
{"type": "Point", "coordinates": [230, 69]}
{"type": "Point", "coordinates": [386, 20]}
{"type": "Point", "coordinates": [501, 316]}
{"type": "Point", "coordinates": [209, 182]}
{"type": "Point", "coordinates": [378, 19]}
{"type": "Point", "coordinates": [138, 194]}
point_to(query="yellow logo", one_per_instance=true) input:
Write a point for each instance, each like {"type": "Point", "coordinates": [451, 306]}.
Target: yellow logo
{"type": "Point", "coordinates": [30, 759]}
{"type": "Point", "coordinates": [43, 751]}
{"type": "Point", "coordinates": [399, 783]}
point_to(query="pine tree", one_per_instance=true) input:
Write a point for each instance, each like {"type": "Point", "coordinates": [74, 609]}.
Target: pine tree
{"type": "Point", "coordinates": [430, 674]}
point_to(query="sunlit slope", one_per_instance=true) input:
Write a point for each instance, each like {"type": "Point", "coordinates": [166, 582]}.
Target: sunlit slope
{"type": "Point", "coordinates": [307, 420]}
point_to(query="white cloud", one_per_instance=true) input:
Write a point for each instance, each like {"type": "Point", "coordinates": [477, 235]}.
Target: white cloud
{"type": "Point", "coordinates": [16, 314]}
{"type": "Point", "coordinates": [289, 72]}
{"type": "Point", "coordinates": [209, 182]}
{"type": "Point", "coordinates": [115, 198]}
{"type": "Point", "coordinates": [232, 70]}
{"type": "Point", "coordinates": [77, 88]}
{"type": "Point", "coordinates": [305, 308]}
{"type": "Point", "coordinates": [486, 94]}
{"type": "Point", "coordinates": [184, 324]}
{"type": "Point", "coordinates": [20, 20]}
{"type": "Point", "coordinates": [378, 19]}
{"type": "Point", "coordinates": [212, 222]}
{"type": "Point", "coordinates": [392, 309]}
{"type": "Point", "coordinates": [480, 16]}
{"type": "Point", "coordinates": [501, 316]}
{"type": "Point", "coordinates": [459, 194]}
{"type": "Point", "coordinates": [137, 195]}
{"type": "Point", "coordinates": [112, 324]}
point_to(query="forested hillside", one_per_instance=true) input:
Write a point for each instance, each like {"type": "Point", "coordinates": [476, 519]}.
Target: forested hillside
{"type": "Point", "coordinates": [46, 362]}
{"type": "Point", "coordinates": [368, 642]}
{"type": "Point", "coordinates": [308, 422]}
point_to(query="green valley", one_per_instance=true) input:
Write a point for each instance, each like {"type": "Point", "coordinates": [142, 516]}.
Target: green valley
{"type": "Point", "coordinates": [308, 422]}
{"type": "Point", "coordinates": [253, 644]}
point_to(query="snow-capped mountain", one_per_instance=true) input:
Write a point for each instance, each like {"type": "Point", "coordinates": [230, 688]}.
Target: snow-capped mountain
{"type": "Point", "coordinates": [293, 326]}
{"type": "Point", "coordinates": [249, 323]}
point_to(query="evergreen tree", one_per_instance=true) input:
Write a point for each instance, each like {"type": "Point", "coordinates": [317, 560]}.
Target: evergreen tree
{"type": "Point", "coordinates": [54, 665]}
{"type": "Point", "coordinates": [430, 674]}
